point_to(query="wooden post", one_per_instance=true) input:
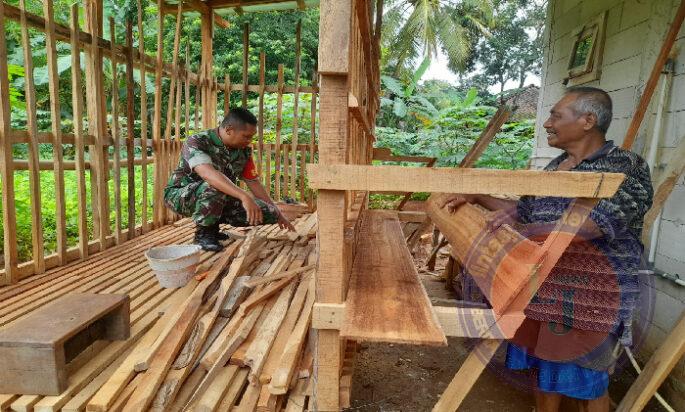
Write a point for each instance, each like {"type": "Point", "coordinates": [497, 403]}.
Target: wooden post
{"type": "Point", "coordinates": [32, 125]}
{"type": "Point", "coordinates": [227, 94]}
{"type": "Point", "coordinates": [9, 214]}
{"type": "Point", "coordinates": [286, 171]}
{"type": "Point", "coordinates": [262, 66]}
{"type": "Point", "coordinates": [654, 77]}
{"type": "Point", "coordinates": [56, 120]}
{"type": "Point", "coordinates": [312, 131]}
{"type": "Point", "coordinates": [197, 108]}
{"type": "Point", "coordinates": [130, 135]}
{"type": "Point", "coordinates": [116, 137]}
{"type": "Point", "coordinates": [303, 161]}
{"type": "Point", "coordinates": [267, 173]}
{"type": "Point", "coordinates": [143, 117]}
{"type": "Point", "coordinates": [334, 40]}
{"type": "Point", "coordinates": [279, 126]}
{"type": "Point", "coordinates": [187, 92]}
{"type": "Point", "coordinates": [296, 104]}
{"type": "Point", "coordinates": [95, 97]}
{"type": "Point", "coordinates": [157, 207]}
{"type": "Point", "coordinates": [207, 30]}
{"type": "Point", "coordinates": [246, 60]}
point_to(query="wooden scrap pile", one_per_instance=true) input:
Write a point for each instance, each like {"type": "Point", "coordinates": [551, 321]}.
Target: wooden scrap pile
{"type": "Point", "coordinates": [237, 336]}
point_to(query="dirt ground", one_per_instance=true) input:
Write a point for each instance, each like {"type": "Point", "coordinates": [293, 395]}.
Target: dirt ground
{"type": "Point", "coordinates": [391, 377]}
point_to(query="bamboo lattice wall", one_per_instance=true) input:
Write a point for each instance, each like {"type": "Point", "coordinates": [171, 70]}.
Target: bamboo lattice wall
{"type": "Point", "coordinates": [101, 124]}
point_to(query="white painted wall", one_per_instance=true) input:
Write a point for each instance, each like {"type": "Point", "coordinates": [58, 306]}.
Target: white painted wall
{"type": "Point", "coordinates": [635, 32]}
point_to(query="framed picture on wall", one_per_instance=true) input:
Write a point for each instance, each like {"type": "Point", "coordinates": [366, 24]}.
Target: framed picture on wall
{"type": "Point", "coordinates": [585, 60]}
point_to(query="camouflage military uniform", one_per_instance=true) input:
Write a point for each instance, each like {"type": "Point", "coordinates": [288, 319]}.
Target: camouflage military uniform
{"type": "Point", "coordinates": [189, 195]}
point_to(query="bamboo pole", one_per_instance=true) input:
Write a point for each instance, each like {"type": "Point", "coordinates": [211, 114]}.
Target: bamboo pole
{"type": "Point", "coordinates": [116, 136]}
{"type": "Point", "coordinates": [157, 124]}
{"type": "Point", "coordinates": [279, 126]}
{"type": "Point", "coordinates": [130, 135]}
{"type": "Point", "coordinates": [9, 217]}
{"type": "Point", "coordinates": [143, 117]}
{"type": "Point", "coordinates": [262, 67]}
{"type": "Point", "coordinates": [246, 60]}
{"type": "Point", "coordinates": [56, 120]}
{"type": "Point", "coordinates": [32, 125]}
{"type": "Point", "coordinates": [296, 106]}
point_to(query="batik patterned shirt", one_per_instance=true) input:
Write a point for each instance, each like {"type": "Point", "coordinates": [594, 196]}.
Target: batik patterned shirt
{"type": "Point", "coordinates": [594, 286]}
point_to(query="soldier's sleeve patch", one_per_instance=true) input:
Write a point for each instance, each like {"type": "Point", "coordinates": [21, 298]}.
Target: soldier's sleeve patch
{"type": "Point", "coordinates": [250, 170]}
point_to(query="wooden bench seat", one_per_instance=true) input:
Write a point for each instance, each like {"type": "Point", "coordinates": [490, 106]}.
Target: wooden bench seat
{"type": "Point", "coordinates": [386, 301]}
{"type": "Point", "coordinates": [35, 350]}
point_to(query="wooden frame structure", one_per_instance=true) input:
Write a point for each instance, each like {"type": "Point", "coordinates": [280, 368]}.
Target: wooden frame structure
{"type": "Point", "coordinates": [106, 153]}
{"type": "Point", "coordinates": [357, 292]}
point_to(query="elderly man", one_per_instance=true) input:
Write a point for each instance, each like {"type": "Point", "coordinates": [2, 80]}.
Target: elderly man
{"type": "Point", "coordinates": [204, 184]}
{"type": "Point", "coordinates": [582, 313]}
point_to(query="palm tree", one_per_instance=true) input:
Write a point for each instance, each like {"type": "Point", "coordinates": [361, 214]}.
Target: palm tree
{"type": "Point", "coordinates": [416, 29]}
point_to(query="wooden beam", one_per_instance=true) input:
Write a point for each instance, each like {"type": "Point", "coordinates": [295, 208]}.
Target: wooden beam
{"type": "Point", "coordinates": [296, 105]}
{"type": "Point", "coordinates": [56, 120]}
{"type": "Point", "coordinates": [653, 80]}
{"type": "Point", "coordinates": [32, 134]}
{"type": "Point", "coordinates": [471, 181]}
{"type": "Point", "coordinates": [656, 370]}
{"type": "Point", "coordinates": [494, 125]}
{"type": "Point", "coordinates": [130, 122]}
{"type": "Point", "coordinates": [334, 40]}
{"type": "Point", "coordinates": [356, 111]}
{"type": "Point", "coordinates": [246, 60]}
{"type": "Point", "coordinates": [384, 155]}
{"type": "Point", "coordinates": [9, 214]}
{"type": "Point", "coordinates": [143, 117]}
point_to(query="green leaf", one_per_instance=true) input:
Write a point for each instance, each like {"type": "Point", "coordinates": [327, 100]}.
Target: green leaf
{"type": "Point", "coordinates": [399, 108]}
{"type": "Point", "coordinates": [418, 74]}
{"type": "Point", "coordinates": [393, 85]}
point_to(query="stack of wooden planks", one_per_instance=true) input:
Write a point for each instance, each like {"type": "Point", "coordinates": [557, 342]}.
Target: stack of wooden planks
{"type": "Point", "coordinates": [237, 336]}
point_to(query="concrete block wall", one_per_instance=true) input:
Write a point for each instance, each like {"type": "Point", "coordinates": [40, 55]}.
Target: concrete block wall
{"type": "Point", "coordinates": [634, 35]}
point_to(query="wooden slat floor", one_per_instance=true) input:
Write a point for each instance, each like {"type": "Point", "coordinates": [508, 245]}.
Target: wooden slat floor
{"type": "Point", "coordinates": [120, 269]}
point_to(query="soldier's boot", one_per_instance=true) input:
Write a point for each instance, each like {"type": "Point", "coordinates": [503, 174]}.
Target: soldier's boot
{"type": "Point", "coordinates": [220, 236]}
{"type": "Point", "coordinates": [205, 236]}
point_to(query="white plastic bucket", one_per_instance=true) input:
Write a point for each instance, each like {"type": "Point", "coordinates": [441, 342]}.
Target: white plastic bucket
{"type": "Point", "coordinates": [173, 265]}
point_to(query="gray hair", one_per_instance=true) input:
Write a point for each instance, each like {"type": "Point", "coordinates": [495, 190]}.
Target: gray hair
{"type": "Point", "coordinates": [591, 100]}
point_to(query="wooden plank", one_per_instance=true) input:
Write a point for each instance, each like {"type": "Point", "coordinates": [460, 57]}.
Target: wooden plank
{"type": "Point", "coordinates": [108, 393]}
{"type": "Point", "coordinates": [385, 155]}
{"type": "Point", "coordinates": [331, 206]}
{"type": "Point", "coordinates": [467, 375]}
{"type": "Point", "coordinates": [157, 124]}
{"type": "Point", "coordinates": [281, 378]}
{"type": "Point", "coordinates": [279, 127]}
{"type": "Point", "coordinates": [473, 181]}
{"type": "Point", "coordinates": [334, 40]}
{"type": "Point", "coordinates": [211, 399]}
{"type": "Point", "coordinates": [227, 94]}
{"type": "Point", "coordinates": [31, 123]}
{"type": "Point", "coordinates": [257, 352]}
{"type": "Point", "coordinates": [207, 32]}
{"type": "Point", "coordinates": [116, 137]}
{"type": "Point", "coordinates": [246, 60]}
{"type": "Point", "coordinates": [130, 127]}
{"type": "Point", "coordinates": [296, 107]}
{"type": "Point", "coordinates": [656, 370]}
{"type": "Point", "coordinates": [237, 385]}
{"type": "Point", "coordinates": [77, 105]}
{"type": "Point", "coordinates": [303, 162]}
{"type": "Point", "coordinates": [654, 76]}
{"type": "Point", "coordinates": [260, 118]}
{"type": "Point", "coordinates": [95, 366]}
{"type": "Point", "coordinates": [267, 172]}
{"type": "Point", "coordinates": [143, 118]}
{"type": "Point", "coordinates": [471, 234]}
{"type": "Point", "coordinates": [386, 301]}
{"type": "Point", "coordinates": [56, 120]}
{"type": "Point", "coordinates": [356, 111]}
{"type": "Point", "coordinates": [286, 171]}
{"type": "Point", "coordinates": [9, 217]}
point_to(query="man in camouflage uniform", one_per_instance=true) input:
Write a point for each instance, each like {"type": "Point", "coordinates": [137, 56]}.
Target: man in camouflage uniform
{"type": "Point", "coordinates": [204, 184]}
